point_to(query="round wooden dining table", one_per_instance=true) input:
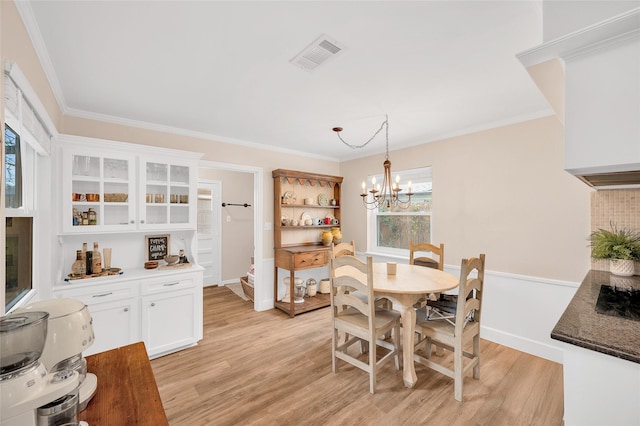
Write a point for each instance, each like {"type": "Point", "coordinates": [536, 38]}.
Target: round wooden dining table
{"type": "Point", "coordinates": [404, 289]}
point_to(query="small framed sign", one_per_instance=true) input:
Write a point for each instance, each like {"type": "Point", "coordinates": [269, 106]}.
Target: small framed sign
{"type": "Point", "coordinates": [157, 247]}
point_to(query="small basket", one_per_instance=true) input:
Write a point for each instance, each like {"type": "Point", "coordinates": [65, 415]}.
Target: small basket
{"type": "Point", "coordinates": [115, 198]}
{"type": "Point", "coordinates": [247, 288]}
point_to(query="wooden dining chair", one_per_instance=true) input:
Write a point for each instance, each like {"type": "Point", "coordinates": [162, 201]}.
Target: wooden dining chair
{"type": "Point", "coordinates": [457, 336]}
{"type": "Point", "coordinates": [342, 249]}
{"type": "Point", "coordinates": [429, 261]}
{"type": "Point", "coordinates": [359, 318]}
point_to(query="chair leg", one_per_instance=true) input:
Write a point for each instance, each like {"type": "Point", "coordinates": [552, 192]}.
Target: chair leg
{"type": "Point", "coordinates": [476, 355]}
{"type": "Point", "coordinates": [396, 344]}
{"type": "Point", "coordinates": [427, 347]}
{"type": "Point", "coordinates": [334, 345]}
{"type": "Point", "coordinates": [372, 365]}
{"type": "Point", "coordinates": [457, 371]}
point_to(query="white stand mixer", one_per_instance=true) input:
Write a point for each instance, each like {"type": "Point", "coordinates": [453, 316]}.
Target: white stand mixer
{"type": "Point", "coordinates": [25, 384]}
{"type": "Point", "coordinates": [70, 332]}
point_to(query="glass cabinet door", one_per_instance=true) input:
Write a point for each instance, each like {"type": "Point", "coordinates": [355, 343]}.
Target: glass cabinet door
{"type": "Point", "coordinates": [98, 193]}
{"type": "Point", "coordinates": [167, 198]}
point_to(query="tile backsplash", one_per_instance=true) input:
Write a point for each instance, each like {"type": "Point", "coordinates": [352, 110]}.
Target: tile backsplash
{"type": "Point", "coordinates": [620, 207]}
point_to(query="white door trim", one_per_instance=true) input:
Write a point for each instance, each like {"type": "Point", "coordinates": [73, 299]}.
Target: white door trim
{"type": "Point", "coordinates": [258, 217]}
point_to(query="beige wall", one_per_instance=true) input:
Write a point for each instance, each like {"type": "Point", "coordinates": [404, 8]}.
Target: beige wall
{"type": "Point", "coordinates": [237, 234]}
{"type": "Point", "coordinates": [502, 192]}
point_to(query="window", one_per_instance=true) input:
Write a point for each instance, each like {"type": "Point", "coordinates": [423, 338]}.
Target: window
{"type": "Point", "coordinates": [391, 230]}
{"type": "Point", "coordinates": [19, 218]}
{"type": "Point", "coordinates": [13, 169]}
{"type": "Point", "coordinates": [27, 143]}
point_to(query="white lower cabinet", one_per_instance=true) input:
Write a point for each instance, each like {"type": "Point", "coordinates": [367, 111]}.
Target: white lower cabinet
{"type": "Point", "coordinates": [164, 311]}
{"type": "Point", "coordinates": [163, 329]}
{"type": "Point", "coordinates": [115, 324]}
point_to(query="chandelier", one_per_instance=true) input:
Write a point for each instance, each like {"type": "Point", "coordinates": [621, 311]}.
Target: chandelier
{"type": "Point", "coordinates": [386, 195]}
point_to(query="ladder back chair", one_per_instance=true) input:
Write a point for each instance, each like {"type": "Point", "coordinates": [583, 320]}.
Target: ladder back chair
{"type": "Point", "coordinates": [359, 318]}
{"type": "Point", "coordinates": [458, 335]}
{"type": "Point", "coordinates": [429, 261]}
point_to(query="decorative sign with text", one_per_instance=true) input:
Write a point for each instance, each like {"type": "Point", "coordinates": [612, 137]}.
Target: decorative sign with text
{"type": "Point", "coordinates": [157, 247]}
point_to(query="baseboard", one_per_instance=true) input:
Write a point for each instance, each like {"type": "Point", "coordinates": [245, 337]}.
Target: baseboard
{"type": "Point", "coordinates": [533, 347]}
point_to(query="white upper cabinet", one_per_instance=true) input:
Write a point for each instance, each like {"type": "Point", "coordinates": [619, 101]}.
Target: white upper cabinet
{"type": "Point", "coordinates": [602, 115]}
{"type": "Point", "coordinates": [168, 193]}
{"type": "Point", "coordinates": [124, 187]}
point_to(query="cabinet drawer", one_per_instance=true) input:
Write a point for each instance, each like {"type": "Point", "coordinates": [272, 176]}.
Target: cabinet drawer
{"type": "Point", "coordinates": [309, 260]}
{"type": "Point", "coordinates": [102, 294]}
{"type": "Point", "coordinates": [160, 285]}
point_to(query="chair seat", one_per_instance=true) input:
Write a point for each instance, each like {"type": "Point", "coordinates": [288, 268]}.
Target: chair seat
{"type": "Point", "coordinates": [384, 318]}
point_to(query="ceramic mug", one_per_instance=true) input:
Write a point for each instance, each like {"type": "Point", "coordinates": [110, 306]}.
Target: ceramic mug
{"type": "Point", "coordinates": [318, 221]}
{"type": "Point", "coordinates": [335, 222]}
{"type": "Point", "coordinates": [308, 222]}
{"type": "Point", "coordinates": [327, 221]}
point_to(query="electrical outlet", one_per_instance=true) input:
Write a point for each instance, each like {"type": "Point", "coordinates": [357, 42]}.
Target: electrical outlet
{"type": "Point", "coordinates": [228, 218]}
{"type": "Point", "coordinates": [267, 226]}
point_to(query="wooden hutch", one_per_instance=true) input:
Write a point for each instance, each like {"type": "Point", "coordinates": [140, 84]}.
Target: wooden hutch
{"type": "Point", "coordinates": [298, 196]}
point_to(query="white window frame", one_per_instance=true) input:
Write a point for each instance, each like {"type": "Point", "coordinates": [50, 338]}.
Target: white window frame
{"type": "Point", "coordinates": [422, 173]}
{"type": "Point", "coordinates": [34, 149]}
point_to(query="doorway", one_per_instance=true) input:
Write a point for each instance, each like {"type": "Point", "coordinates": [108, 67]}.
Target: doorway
{"type": "Point", "coordinates": [262, 295]}
{"type": "Point", "coordinates": [209, 235]}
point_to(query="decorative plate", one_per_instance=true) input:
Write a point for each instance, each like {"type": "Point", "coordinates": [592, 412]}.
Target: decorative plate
{"type": "Point", "coordinates": [323, 200]}
{"type": "Point", "coordinates": [288, 197]}
{"type": "Point", "coordinates": [329, 215]}
{"type": "Point", "coordinates": [304, 216]}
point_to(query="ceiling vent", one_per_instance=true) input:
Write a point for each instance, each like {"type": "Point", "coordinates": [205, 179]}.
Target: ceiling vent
{"type": "Point", "coordinates": [316, 53]}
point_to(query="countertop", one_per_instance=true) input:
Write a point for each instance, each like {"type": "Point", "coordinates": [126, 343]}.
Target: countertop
{"type": "Point", "coordinates": [582, 326]}
{"type": "Point", "coordinates": [127, 393]}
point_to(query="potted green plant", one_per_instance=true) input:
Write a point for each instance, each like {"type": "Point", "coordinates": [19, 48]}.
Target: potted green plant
{"type": "Point", "coordinates": [620, 246]}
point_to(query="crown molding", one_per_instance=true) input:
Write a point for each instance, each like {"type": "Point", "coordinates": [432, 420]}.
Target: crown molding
{"type": "Point", "coordinates": [190, 133]}
{"type": "Point", "coordinates": [29, 20]}
{"type": "Point", "coordinates": [610, 31]}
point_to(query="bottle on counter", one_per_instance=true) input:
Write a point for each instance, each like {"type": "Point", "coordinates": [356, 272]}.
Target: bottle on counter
{"type": "Point", "coordinates": [96, 259]}
{"type": "Point", "coordinates": [79, 267]}
{"type": "Point", "coordinates": [88, 256]}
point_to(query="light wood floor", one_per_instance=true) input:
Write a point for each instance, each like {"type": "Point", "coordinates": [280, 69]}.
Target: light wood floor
{"type": "Point", "coordinates": [267, 369]}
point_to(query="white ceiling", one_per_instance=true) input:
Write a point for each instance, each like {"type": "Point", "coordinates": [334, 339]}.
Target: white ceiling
{"type": "Point", "coordinates": [221, 69]}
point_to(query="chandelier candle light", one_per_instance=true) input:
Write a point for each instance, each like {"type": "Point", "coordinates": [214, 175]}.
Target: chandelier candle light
{"type": "Point", "coordinates": [388, 194]}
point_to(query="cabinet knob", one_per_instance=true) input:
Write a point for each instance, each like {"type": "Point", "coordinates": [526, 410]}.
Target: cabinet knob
{"type": "Point", "coordinates": [132, 221]}
{"type": "Point", "coordinates": [142, 221]}
{"type": "Point", "coordinates": [126, 309]}
{"type": "Point", "coordinates": [153, 304]}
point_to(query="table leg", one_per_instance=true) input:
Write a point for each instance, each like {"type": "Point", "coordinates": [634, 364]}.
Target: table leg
{"type": "Point", "coordinates": [408, 330]}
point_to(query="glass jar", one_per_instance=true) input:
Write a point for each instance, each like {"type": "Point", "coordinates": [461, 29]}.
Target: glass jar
{"type": "Point", "coordinates": [312, 287]}
{"type": "Point", "coordinates": [93, 217]}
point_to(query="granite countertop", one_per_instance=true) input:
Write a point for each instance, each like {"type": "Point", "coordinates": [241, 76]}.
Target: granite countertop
{"type": "Point", "coordinates": [583, 326]}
